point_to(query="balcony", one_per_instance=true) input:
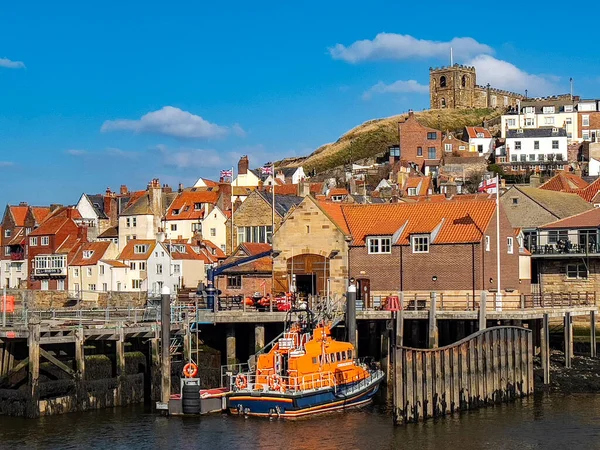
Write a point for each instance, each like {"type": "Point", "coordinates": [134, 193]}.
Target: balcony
{"type": "Point", "coordinates": [20, 256]}
{"type": "Point", "coordinates": [563, 243]}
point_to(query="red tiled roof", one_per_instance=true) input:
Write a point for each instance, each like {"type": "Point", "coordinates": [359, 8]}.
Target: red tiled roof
{"type": "Point", "coordinates": [588, 219]}
{"type": "Point", "coordinates": [98, 249]}
{"type": "Point", "coordinates": [338, 191]}
{"type": "Point", "coordinates": [114, 263]}
{"type": "Point", "coordinates": [334, 211]}
{"type": "Point", "coordinates": [19, 213]}
{"type": "Point", "coordinates": [285, 189]}
{"type": "Point", "coordinates": [455, 222]}
{"type": "Point", "coordinates": [472, 132]}
{"type": "Point", "coordinates": [210, 183]}
{"type": "Point", "coordinates": [316, 188]}
{"type": "Point", "coordinates": [252, 248]}
{"type": "Point", "coordinates": [590, 191]}
{"type": "Point", "coordinates": [40, 213]}
{"type": "Point", "coordinates": [264, 265]}
{"type": "Point", "coordinates": [185, 201]}
{"type": "Point", "coordinates": [564, 182]}
{"type": "Point", "coordinates": [51, 226]}
{"type": "Point", "coordinates": [128, 253]}
{"type": "Point", "coordinates": [216, 252]}
{"type": "Point", "coordinates": [190, 252]}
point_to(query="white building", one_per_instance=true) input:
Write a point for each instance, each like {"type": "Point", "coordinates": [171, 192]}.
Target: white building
{"type": "Point", "coordinates": [188, 260]}
{"type": "Point", "coordinates": [537, 146]}
{"type": "Point", "coordinates": [556, 112]}
{"type": "Point", "coordinates": [186, 215]}
{"type": "Point", "coordinates": [86, 275]}
{"type": "Point", "coordinates": [480, 140]}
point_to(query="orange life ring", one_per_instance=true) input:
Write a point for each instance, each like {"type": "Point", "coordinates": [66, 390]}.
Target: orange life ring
{"type": "Point", "coordinates": [241, 382]}
{"type": "Point", "coordinates": [190, 370]}
{"type": "Point", "coordinates": [275, 383]}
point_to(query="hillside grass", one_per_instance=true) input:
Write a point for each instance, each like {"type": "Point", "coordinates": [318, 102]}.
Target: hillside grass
{"type": "Point", "coordinates": [372, 138]}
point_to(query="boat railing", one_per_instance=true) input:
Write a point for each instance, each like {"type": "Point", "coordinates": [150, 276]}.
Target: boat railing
{"type": "Point", "coordinates": [275, 383]}
{"type": "Point", "coordinates": [230, 371]}
{"type": "Point", "coordinates": [364, 382]}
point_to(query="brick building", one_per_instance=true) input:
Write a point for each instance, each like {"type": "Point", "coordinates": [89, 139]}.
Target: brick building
{"type": "Point", "coordinates": [51, 248]}
{"type": "Point", "coordinates": [588, 115]}
{"type": "Point", "coordinates": [456, 87]}
{"type": "Point", "coordinates": [419, 144]}
{"type": "Point", "coordinates": [246, 279]}
{"type": "Point", "coordinates": [448, 247]}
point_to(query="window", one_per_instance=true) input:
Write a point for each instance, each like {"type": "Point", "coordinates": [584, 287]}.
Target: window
{"type": "Point", "coordinates": [7, 251]}
{"type": "Point", "coordinates": [585, 120]}
{"type": "Point", "coordinates": [568, 108]}
{"type": "Point", "coordinates": [432, 135]}
{"type": "Point", "coordinates": [91, 287]}
{"type": "Point", "coordinates": [448, 147]}
{"type": "Point", "coordinates": [555, 236]}
{"type": "Point", "coordinates": [443, 102]}
{"type": "Point", "coordinates": [420, 244]}
{"type": "Point", "coordinates": [559, 157]}
{"type": "Point", "coordinates": [196, 227]}
{"type": "Point", "coordinates": [87, 254]}
{"type": "Point", "coordinates": [213, 232]}
{"type": "Point", "coordinates": [142, 265]}
{"type": "Point", "coordinates": [44, 285]}
{"type": "Point", "coordinates": [412, 192]}
{"type": "Point", "coordinates": [536, 145]}
{"type": "Point", "coordinates": [419, 151]}
{"type": "Point", "coordinates": [523, 158]}
{"type": "Point", "coordinates": [548, 120]}
{"type": "Point", "coordinates": [540, 157]}
{"type": "Point", "coordinates": [505, 100]}
{"type": "Point", "coordinates": [307, 229]}
{"type": "Point", "coordinates": [513, 158]}
{"type": "Point", "coordinates": [33, 241]}
{"type": "Point", "coordinates": [431, 153]}
{"type": "Point", "coordinates": [89, 271]}
{"type": "Point", "coordinates": [442, 81]}
{"type": "Point", "coordinates": [234, 281]}
{"type": "Point", "coordinates": [27, 231]}
{"type": "Point", "coordinates": [259, 234]}
{"type": "Point", "coordinates": [509, 244]}
{"type": "Point", "coordinates": [379, 245]}
{"type": "Point", "coordinates": [480, 148]}
{"type": "Point", "coordinates": [585, 134]}
{"type": "Point", "coordinates": [517, 145]}
{"type": "Point", "coordinates": [529, 110]}
{"type": "Point", "coordinates": [494, 101]}
{"type": "Point", "coordinates": [176, 268]}
{"type": "Point", "coordinates": [101, 269]}
{"type": "Point", "coordinates": [60, 285]}
{"type": "Point", "coordinates": [511, 122]}
{"type": "Point", "coordinates": [159, 269]}
{"type": "Point", "coordinates": [173, 227]}
{"type": "Point", "coordinates": [568, 121]}
{"type": "Point", "coordinates": [140, 248]}
{"type": "Point", "coordinates": [532, 157]}
{"type": "Point", "coordinates": [548, 109]}
{"type": "Point", "coordinates": [132, 265]}
{"type": "Point", "coordinates": [577, 271]}
{"type": "Point", "coordinates": [554, 145]}
{"type": "Point", "coordinates": [529, 122]}
{"type": "Point", "coordinates": [75, 272]}
{"type": "Point", "coordinates": [197, 206]}
{"type": "Point", "coordinates": [136, 284]}
{"type": "Point", "coordinates": [464, 81]}
{"type": "Point", "coordinates": [128, 222]}
{"type": "Point", "coordinates": [487, 243]}
{"type": "Point", "coordinates": [105, 287]}
{"type": "Point", "coordinates": [176, 212]}
{"type": "Point", "coordinates": [7, 233]}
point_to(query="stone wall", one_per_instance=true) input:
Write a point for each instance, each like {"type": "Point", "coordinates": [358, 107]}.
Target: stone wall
{"type": "Point", "coordinates": [553, 276]}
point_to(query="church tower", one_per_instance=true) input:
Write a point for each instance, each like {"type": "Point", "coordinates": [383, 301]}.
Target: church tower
{"type": "Point", "coordinates": [452, 87]}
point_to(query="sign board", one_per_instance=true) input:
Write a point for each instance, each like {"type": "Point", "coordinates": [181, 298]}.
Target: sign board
{"type": "Point", "coordinates": [161, 406]}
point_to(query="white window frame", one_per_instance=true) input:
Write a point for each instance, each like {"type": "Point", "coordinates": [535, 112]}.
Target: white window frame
{"type": "Point", "coordinates": [420, 243]}
{"type": "Point", "coordinates": [447, 147]}
{"type": "Point", "coordinates": [173, 227]}
{"type": "Point", "coordinates": [92, 287]}
{"type": "Point", "coordinates": [89, 271]}
{"type": "Point", "coordinates": [33, 241]}
{"type": "Point", "coordinates": [487, 243]}
{"type": "Point", "coordinates": [379, 245]}
{"type": "Point", "coordinates": [159, 269]}
{"type": "Point", "coordinates": [577, 270]}
{"type": "Point", "coordinates": [548, 109]}
{"type": "Point", "coordinates": [585, 120]}
{"type": "Point", "coordinates": [510, 245]}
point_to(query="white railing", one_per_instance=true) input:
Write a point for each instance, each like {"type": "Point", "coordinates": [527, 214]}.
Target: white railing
{"type": "Point", "coordinates": [245, 381]}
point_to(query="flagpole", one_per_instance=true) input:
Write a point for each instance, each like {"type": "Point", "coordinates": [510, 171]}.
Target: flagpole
{"type": "Point", "coordinates": [231, 183]}
{"type": "Point", "coordinates": [499, 294]}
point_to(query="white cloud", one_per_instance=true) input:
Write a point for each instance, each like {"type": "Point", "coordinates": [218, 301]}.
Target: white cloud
{"type": "Point", "coordinates": [397, 87]}
{"type": "Point", "coordinates": [8, 64]}
{"type": "Point", "coordinates": [76, 152]}
{"type": "Point", "coordinates": [186, 158]}
{"type": "Point", "coordinates": [108, 152]}
{"type": "Point", "coordinates": [504, 75]}
{"type": "Point", "coordinates": [403, 46]}
{"type": "Point", "coordinates": [6, 163]}
{"type": "Point", "coordinates": [171, 121]}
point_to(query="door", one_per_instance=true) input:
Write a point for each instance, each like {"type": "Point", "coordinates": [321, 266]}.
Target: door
{"type": "Point", "coordinates": [363, 293]}
{"type": "Point", "coordinates": [306, 284]}
{"type": "Point", "coordinates": [118, 285]}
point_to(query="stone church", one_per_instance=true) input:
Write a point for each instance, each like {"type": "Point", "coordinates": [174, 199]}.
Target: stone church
{"type": "Point", "coordinates": [456, 87]}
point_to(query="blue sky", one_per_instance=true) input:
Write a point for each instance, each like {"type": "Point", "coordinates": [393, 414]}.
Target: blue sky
{"type": "Point", "coordinates": [98, 94]}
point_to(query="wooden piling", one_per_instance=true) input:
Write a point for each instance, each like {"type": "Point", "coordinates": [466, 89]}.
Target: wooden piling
{"type": "Point", "coordinates": [432, 335]}
{"type": "Point", "coordinates": [545, 347]}
{"type": "Point", "coordinates": [482, 310]}
{"type": "Point", "coordinates": [120, 360]}
{"type": "Point", "coordinates": [568, 325]}
{"type": "Point", "coordinates": [33, 343]}
{"type": "Point", "coordinates": [593, 349]}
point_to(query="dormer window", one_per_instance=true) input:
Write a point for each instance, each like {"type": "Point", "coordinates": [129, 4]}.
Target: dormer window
{"type": "Point", "coordinates": [568, 108]}
{"type": "Point", "coordinates": [412, 192]}
{"type": "Point", "coordinates": [548, 109]}
{"type": "Point", "coordinates": [140, 249]}
{"type": "Point", "coordinates": [197, 206]}
{"type": "Point", "coordinates": [378, 245]}
{"type": "Point", "coordinates": [176, 212]}
{"type": "Point", "coordinates": [420, 243]}
{"type": "Point", "coordinates": [480, 135]}
{"type": "Point", "coordinates": [529, 110]}
{"type": "Point", "coordinates": [87, 254]}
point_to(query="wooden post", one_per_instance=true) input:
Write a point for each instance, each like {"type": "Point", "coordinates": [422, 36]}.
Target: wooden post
{"type": "Point", "coordinates": [400, 322]}
{"type": "Point", "coordinates": [80, 366]}
{"type": "Point", "coordinates": [259, 337]}
{"type": "Point", "coordinates": [155, 366]}
{"type": "Point", "coordinates": [33, 342]}
{"type": "Point", "coordinates": [165, 369]}
{"type": "Point", "coordinates": [545, 348]}
{"type": "Point", "coordinates": [482, 310]}
{"type": "Point", "coordinates": [120, 359]}
{"type": "Point", "coordinates": [230, 345]}
{"type": "Point", "coordinates": [433, 329]}
{"type": "Point", "coordinates": [593, 334]}
{"type": "Point", "coordinates": [568, 339]}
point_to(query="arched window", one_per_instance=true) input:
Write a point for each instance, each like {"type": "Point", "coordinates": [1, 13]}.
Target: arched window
{"type": "Point", "coordinates": [442, 81]}
{"type": "Point", "coordinates": [464, 81]}
{"type": "Point", "coordinates": [443, 103]}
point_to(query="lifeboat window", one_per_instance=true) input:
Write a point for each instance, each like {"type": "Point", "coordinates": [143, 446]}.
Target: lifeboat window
{"type": "Point", "coordinates": [339, 356]}
{"type": "Point", "coordinates": [320, 359]}
{"type": "Point", "coordinates": [314, 360]}
{"type": "Point", "coordinates": [349, 354]}
{"type": "Point", "coordinates": [344, 355]}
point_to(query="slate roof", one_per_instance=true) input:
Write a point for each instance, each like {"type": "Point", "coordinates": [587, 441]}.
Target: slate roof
{"type": "Point", "coordinates": [143, 206]}
{"type": "Point", "coordinates": [283, 203]}
{"type": "Point", "coordinates": [99, 249]}
{"type": "Point", "coordinates": [536, 133]}
{"type": "Point", "coordinates": [588, 219]}
{"type": "Point", "coordinates": [454, 222]}
{"type": "Point", "coordinates": [560, 204]}
{"type": "Point", "coordinates": [97, 202]}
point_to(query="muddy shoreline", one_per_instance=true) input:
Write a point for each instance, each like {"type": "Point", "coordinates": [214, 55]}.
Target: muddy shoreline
{"type": "Point", "coordinates": [582, 378]}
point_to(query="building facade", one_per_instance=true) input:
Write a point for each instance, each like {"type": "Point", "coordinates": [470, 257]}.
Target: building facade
{"type": "Point", "coordinates": [419, 144]}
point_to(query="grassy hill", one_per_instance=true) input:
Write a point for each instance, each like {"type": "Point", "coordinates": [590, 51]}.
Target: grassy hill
{"type": "Point", "coordinates": [372, 138]}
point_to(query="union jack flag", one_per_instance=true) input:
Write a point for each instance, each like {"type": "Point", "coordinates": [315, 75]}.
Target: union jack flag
{"type": "Point", "coordinates": [267, 170]}
{"type": "Point", "coordinates": [227, 173]}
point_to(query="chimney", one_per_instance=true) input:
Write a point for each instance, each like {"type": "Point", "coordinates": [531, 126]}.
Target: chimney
{"type": "Point", "coordinates": [82, 233]}
{"type": "Point", "coordinates": [303, 189]}
{"type": "Point", "coordinates": [167, 189]}
{"type": "Point", "coordinates": [155, 198]}
{"type": "Point", "coordinates": [180, 189]}
{"type": "Point", "coordinates": [70, 211]}
{"type": "Point", "coordinates": [243, 165]}
{"type": "Point", "coordinates": [23, 204]}
{"type": "Point", "coordinates": [123, 190]}
{"type": "Point", "coordinates": [224, 200]}
{"type": "Point", "coordinates": [534, 180]}
{"type": "Point", "coordinates": [281, 176]}
{"type": "Point", "coordinates": [54, 207]}
{"type": "Point", "coordinates": [411, 113]}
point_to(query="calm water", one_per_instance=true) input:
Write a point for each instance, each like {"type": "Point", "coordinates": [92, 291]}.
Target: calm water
{"type": "Point", "coordinates": [561, 422]}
